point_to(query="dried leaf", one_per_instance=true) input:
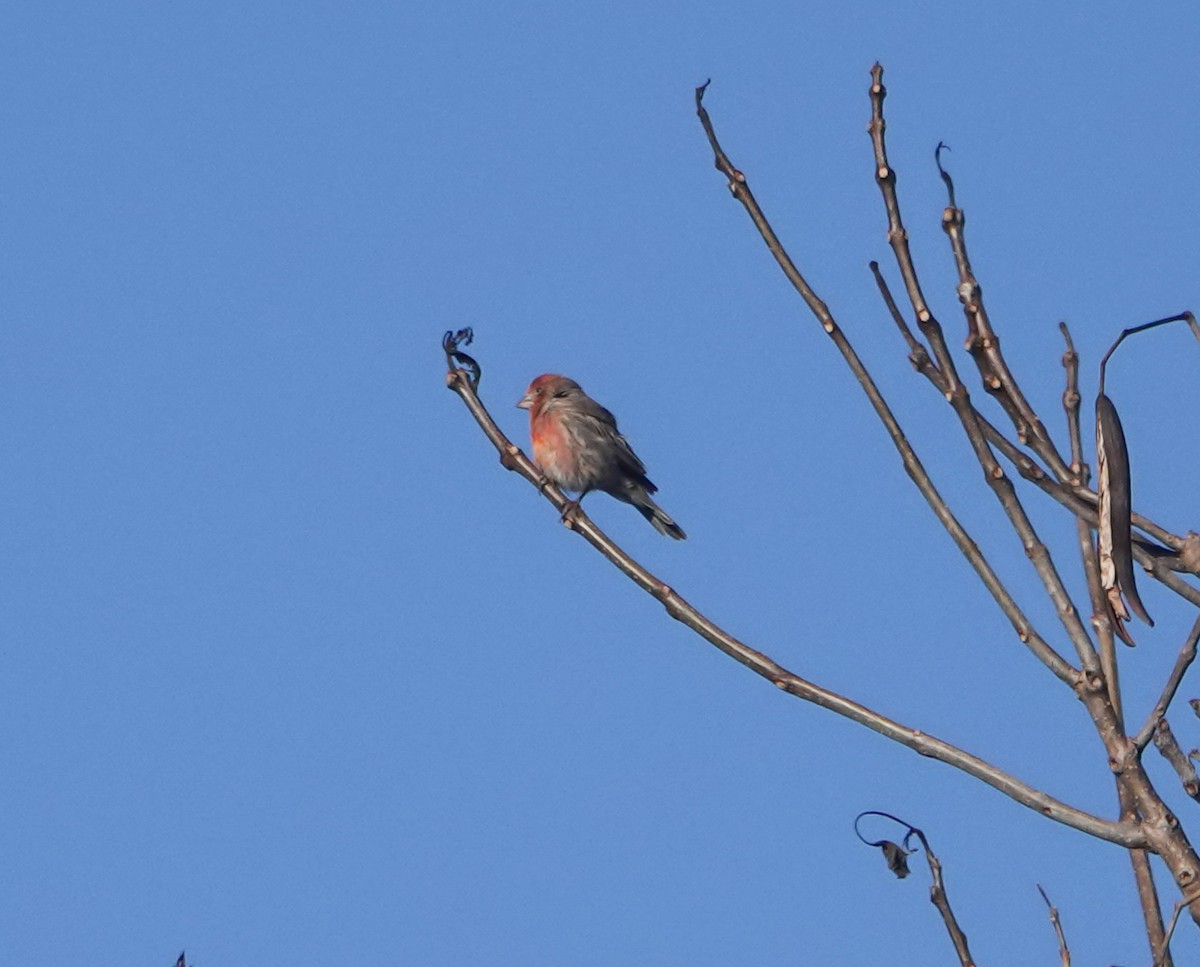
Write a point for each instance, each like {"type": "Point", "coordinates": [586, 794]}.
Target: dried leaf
{"type": "Point", "coordinates": [897, 858]}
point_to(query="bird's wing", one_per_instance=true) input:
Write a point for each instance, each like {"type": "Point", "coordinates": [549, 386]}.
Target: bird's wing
{"type": "Point", "coordinates": [586, 406]}
{"type": "Point", "coordinates": [603, 423]}
{"type": "Point", "coordinates": [631, 463]}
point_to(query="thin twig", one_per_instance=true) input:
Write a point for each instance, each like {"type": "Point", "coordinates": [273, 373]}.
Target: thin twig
{"type": "Point", "coordinates": [984, 345]}
{"type": "Point", "coordinates": [1168, 746]}
{"type": "Point", "coordinates": [937, 896]}
{"type": "Point", "coordinates": [921, 742]}
{"type": "Point", "coordinates": [1064, 954]}
{"type": "Point", "coordinates": [1183, 661]}
{"type": "Point", "coordinates": [1070, 401]}
{"type": "Point", "coordinates": [1143, 876]}
{"type": "Point", "coordinates": [1181, 317]}
{"type": "Point", "coordinates": [918, 355]}
{"type": "Point", "coordinates": [1164, 961]}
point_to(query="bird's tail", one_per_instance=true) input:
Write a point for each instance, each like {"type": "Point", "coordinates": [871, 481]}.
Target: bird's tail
{"type": "Point", "coordinates": [659, 518]}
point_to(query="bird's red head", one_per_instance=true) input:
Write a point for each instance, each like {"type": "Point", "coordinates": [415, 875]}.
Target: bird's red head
{"type": "Point", "coordinates": [544, 388]}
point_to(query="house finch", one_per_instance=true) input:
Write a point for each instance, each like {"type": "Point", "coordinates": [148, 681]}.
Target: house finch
{"type": "Point", "coordinates": [578, 446]}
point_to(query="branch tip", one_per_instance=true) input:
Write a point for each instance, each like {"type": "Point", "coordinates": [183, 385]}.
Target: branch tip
{"type": "Point", "coordinates": [451, 341]}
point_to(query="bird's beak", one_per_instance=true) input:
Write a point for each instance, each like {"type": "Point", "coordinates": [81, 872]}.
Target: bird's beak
{"type": "Point", "coordinates": [525, 402]}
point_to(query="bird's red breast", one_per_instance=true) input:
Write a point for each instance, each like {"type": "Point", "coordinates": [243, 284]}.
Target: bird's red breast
{"type": "Point", "coordinates": [553, 448]}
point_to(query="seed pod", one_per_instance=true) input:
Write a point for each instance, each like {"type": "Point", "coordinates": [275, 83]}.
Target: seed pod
{"type": "Point", "coordinates": [1116, 537]}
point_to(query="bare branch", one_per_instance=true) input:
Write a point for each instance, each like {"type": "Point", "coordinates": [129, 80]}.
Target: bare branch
{"type": "Point", "coordinates": [984, 345]}
{"type": "Point", "coordinates": [1165, 960]}
{"type": "Point", "coordinates": [1147, 893]}
{"type": "Point", "coordinates": [937, 895]}
{"type": "Point", "coordinates": [455, 357]}
{"type": "Point", "coordinates": [1073, 494]}
{"type": "Point", "coordinates": [918, 355]}
{"type": "Point", "coordinates": [1168, 745]}
{"type": "Point", "coordinates": [1064, 954]}
{"type": "Point", "coordinates": [1187, 654]}
{"type": "Point", "coordinates": [994, 370]}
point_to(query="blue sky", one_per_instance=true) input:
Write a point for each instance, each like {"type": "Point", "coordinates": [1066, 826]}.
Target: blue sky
{"type": "Point", "coordinates": [294, 673]}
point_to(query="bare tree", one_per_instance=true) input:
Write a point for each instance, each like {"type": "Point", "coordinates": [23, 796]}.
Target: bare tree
{"type": "Point", "coordinates": [1110, 537]}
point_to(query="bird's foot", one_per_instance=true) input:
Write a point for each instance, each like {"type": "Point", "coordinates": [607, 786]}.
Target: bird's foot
{"type": "Point", "coordinates": [570, 513]}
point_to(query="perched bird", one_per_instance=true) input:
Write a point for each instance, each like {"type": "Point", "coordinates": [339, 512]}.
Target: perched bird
{"type": "Point", "coordinates": [578, 446]}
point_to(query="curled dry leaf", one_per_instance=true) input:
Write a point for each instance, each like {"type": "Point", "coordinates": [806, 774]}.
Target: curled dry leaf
{"type": "Point", "coordinates": [897, 858]}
